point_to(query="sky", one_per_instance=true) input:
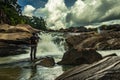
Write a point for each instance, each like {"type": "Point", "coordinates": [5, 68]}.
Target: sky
{"type": "Point", "coordinates": [67, 13]}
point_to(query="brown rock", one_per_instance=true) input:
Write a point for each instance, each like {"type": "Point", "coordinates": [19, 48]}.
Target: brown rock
{"type": "Point", "coordinates": [81, 56]}
{"type": "Point", "coordinates": [106, 40]}
{"type": "Point", "coordinates": [105, 69]}
{"type": "Point", "coordinates": [19, 33]}
{"type": "Point", "coordinates": [47, 62]}
{"type": "Point", "coordinates": [90, 42]}
{"type": "Point", "coordinates": [74, 40]}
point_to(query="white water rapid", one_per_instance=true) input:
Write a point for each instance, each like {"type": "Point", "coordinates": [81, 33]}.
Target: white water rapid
{"type": "Point", "coordinates": [51, 44]}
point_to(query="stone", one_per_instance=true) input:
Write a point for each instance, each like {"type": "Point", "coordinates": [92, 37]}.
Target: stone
{"type": "Point", "coordinates": [81, 56]}
{"type": "Point", "coordinates": [106, 40]}
{"type": "Point", "coordinates": [46, 61]}
{"type": "Point", "coordinates": [106, 69]}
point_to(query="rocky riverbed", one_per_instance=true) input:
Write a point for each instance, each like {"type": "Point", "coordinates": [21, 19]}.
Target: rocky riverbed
{"type": "Point", "coordinates": [81, 51]}
{"type": "Point", "coordinates": [105, 40]}
{"type": "Point", "coordinates": [105, 69]}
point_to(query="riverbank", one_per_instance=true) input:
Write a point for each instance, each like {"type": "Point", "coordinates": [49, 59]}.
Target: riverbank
{"type": "Point", "coordinates": [53, 45]}
{"type": "Point", "coordinates": [15, 39]}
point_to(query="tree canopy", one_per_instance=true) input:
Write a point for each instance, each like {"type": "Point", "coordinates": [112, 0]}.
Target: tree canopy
{"type": "Point", "coordinates": [36, 22]}
{"type": "Point", "coordinates": [10, 13]}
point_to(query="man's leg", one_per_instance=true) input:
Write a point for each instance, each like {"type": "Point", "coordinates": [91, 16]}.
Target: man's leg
{"type": "Point", "coordinates": [31, 54]}
{"type": "Point", "coordinates": [35, 49]}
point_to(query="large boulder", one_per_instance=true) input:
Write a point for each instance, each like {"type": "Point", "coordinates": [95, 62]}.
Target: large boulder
{"type": "Point", "coordinates": [81, 56]}
{"type": "Point", "coordinates": [18, 28]}
{"type": "Point", "coordinates": [105, 69]}
{"type": "Point", "coordinates": [18, 34]}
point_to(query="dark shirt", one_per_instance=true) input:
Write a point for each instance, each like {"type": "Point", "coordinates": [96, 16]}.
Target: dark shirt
{"type": "Point", "coordinates": [34, 39]}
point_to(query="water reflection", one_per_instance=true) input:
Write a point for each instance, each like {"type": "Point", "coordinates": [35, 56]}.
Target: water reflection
{"type": "Point", "coordinates": [12, 73]}
{"type": "Point", "coordinates": [33, 71]}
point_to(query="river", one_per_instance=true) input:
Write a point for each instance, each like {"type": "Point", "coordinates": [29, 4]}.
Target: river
{"type": "Point", "coordinates": [12, 68]}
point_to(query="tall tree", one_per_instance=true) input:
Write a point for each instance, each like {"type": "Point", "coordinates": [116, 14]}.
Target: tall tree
{"type": "Point", "coordinates": [10, 12]}
{"type": "Point", "coordinates": [38, 23]}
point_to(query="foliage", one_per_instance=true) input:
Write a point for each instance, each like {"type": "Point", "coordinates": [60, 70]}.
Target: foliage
{"type": "Point", "coordinates": [10, 13]}
{"type": "Point", "coordinates": [38, 23]}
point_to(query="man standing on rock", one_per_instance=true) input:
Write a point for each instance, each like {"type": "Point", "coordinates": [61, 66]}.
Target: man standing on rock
{"type": "Point", "coordinates": [33, 41]}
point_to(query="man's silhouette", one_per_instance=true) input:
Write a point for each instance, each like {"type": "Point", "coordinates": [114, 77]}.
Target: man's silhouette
{"type": "Point", "coordinates": [34, 41]}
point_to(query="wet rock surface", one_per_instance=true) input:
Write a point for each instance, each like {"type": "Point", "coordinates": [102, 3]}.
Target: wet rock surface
{"type": "Point", "coordinates": [46, 61]}
{"type": "Point", "coordinates": [16, 34]}
{"type": "Point", "coordinates": [12, 49]}
{"type": "Point", "coordinates": [105, 40]}
{"type": "Point", "coordinates": [11, 37]}
{"type": "Point", "coordinates": [81, 56]}
{"type": "Point", "coordinates": [105, 69]}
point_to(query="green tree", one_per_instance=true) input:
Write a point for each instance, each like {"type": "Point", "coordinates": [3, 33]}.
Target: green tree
{"type": "Point", "coordinates": [36, 22]}
{"type": "Point", "coordinates": [10, 12]}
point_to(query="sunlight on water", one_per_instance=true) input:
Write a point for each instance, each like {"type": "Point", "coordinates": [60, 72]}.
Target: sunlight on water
{"type": "Point", "coordinates": [46, 47]}
{"type": "Point", "coordinates": [107, 52]}
{"type": "Point", "coordinates": [41, 73]}
{"type": "Point", "coordinates": [49, 45]}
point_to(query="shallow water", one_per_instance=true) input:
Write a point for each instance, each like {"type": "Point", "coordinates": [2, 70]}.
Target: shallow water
{"type": "Point", "coordinates": [24, 71]}
{"type": "Point", "coordinates": [15, 68]}
{"type": "Point", "coordinates": [12, 68]}
{"type": "Point", "coordinates": [107, 52]}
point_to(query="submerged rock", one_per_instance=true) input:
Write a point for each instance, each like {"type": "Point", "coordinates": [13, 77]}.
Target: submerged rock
{"type": "Point", "coordinates": [78, 57]}
{"type": "Point", "coordinates": [105, 69]}
{"type": "Point", "coordinates": [47, 62]}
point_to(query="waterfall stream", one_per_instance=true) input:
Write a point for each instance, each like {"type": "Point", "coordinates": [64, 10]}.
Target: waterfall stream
{"type": "Point", "coordinates": [51, 44]}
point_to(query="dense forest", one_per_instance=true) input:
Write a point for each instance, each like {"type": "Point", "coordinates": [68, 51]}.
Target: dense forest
{"type": "Point", "coordinates": [11, 13]}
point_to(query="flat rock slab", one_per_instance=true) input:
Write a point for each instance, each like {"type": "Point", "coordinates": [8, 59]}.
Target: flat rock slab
{"type": "Point", "coordinates": [105, 69]}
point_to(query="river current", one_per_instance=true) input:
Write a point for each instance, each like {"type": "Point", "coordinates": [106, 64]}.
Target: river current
{"type": "Point", "coordinates": [51, 44]}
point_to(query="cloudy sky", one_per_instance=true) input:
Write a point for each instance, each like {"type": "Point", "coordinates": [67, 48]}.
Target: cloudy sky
{"type": "Point", "coordinates": [67, 13]}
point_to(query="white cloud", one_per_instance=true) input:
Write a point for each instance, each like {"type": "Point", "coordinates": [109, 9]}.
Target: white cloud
{"type": "Point", "coordinates": [91, 11]}
{"type": "Point", "coordinates": [85, 12]}
{"type": "Point", "coordinates": [55, 12]}
{"type": "Point", "coordinates": [28, 10]}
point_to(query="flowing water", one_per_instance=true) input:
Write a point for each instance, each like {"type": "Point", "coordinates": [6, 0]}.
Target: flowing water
{"type": "Point", "coordinates": [51, 44]}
